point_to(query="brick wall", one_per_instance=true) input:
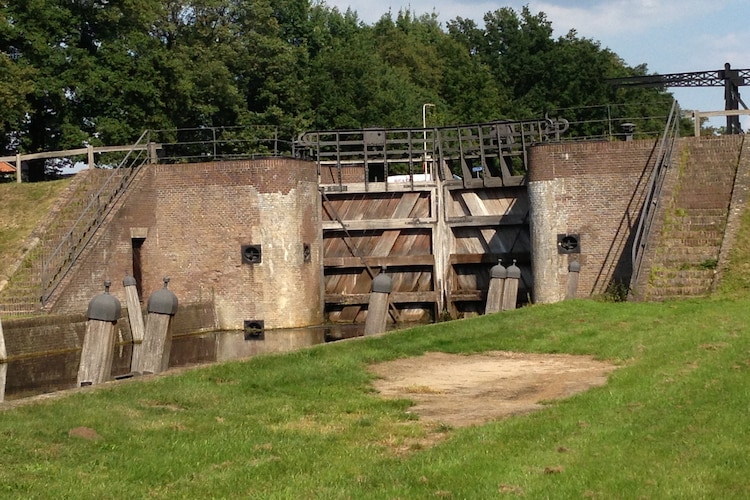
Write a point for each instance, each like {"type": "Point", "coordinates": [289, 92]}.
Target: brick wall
{"type": "Point", "coordinates": [594, 190]}
{"type": "Point", "coordinates": [737, 206]}
{"type": "Point", "coordinates": [694, 225]}
{"type": "Point", "coordinates": [193, 219]}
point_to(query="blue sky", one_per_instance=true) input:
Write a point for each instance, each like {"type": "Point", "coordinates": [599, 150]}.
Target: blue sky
{"type": "Point", "coordinates": [670, 36]}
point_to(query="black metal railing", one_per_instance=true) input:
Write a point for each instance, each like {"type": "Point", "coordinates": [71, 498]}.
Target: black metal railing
{"type": "Point", "coordinates": [192, 145]}
{"type": "Point", "coordinates": [58, 262]}
{"type": "Point", "coordinates": [653, 193]}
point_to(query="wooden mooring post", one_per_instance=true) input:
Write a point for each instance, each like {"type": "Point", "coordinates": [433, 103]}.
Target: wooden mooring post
{"type": "Point", "coordinates": [377, 310]}
{"type": "Point", "coordinates": [510, 290]}
{"type": "Point", "coordinates": [157, 338]}
{"type": "Point", "coordinates": [498, 274]}
{"type": "Point", "coordinates": [99, 340]}
{"type": "Point", "coordinates": [133, 303]}
{"type": "Point", "coordinates": [3, 363]}
{"type": "Point", "coordinates": [574, 270]}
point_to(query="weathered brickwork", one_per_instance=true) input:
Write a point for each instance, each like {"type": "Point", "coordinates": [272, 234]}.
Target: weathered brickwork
{"type": "Point", "coordinates": [596, 191]}
{"type": "Point", "coordinates": [191, 221]}
{"type": "Point", "coordinates": [693, 236]}
{"type": "Point", "coordinates": [737, 206]}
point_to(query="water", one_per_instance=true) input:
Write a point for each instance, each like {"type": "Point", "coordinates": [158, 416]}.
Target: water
{"type": "Point", "coordinates": [55, 372]}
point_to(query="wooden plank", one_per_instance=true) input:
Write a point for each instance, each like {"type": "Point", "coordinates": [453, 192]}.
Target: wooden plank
{"type": "Point", "coordinates": [489, 258]}
{"type": "Point", "coordinates": [387, 240]}
{"type": "Point", "coordinates": [474, 203]}
{"type": "Point", "coordinates": [375, 224]}
{"type": "Point", "coordinates": [396, 298]}
{"type": "Point", "coordinates": [512, 181]}
{"type": "Point", "coordinates": [361, 286]}
{"type": "Point", "coordinates": [385, 243]}
{"type": "Point", "coordinates": [77, 152]}
{"type": "Point", "coordinates": [390, 260]}
{"type": "Point", "coordinates": [467, 295]}
{"type": "Point", "coordinates": [486, 220]}
{"type": "Point", "coordinates": [405, 205]}
{"type": "Point", "coordinates": [380, 187]}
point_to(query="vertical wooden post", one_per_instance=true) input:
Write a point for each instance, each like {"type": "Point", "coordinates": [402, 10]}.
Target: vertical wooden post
{"type": "Point", "coordinates": [133, 303]}
{"type": "Point", "coordinates": [3, 363]}
{"type": "Point", "coordinates": [441, 244]}
{"type": "Point", "coordinates": [90, 155]}
{"type": "Point", "coordinates": [99, 340]}
{"type": "Point", "coordinates": [377, 310]}
{"type": "Point", "coordinates": [3, 379]}
{"type": "Point", "coordinates": [497, 286]}
{"type": "Point", "coordinates": [510, 290]}
{"type": "Point", "coordinates": [157, 338]}
{"type": "Point", "coordinates": [697, 123]}
{"type": "Point", "coordinates": [574, 269]}
{"type": "Point", "coordinates": [3, 352]}
{"type": "Point", "coordinates": [152, 157]}
{"type": "Point", "coordinates": [18, 169]}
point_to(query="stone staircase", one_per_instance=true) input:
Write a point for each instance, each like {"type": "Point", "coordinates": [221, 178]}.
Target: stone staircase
{"type": "Point", "coordinates": [21, 295]}
{"type": "Point", "coordinates": [692, 233]}
{"type": "Point", "coordinates": [60, 237]}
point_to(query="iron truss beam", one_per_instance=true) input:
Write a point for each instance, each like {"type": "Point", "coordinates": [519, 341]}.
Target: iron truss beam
{"type": "Point", "coordinates": [718, 78]}
{"type": "Point", "coordinates": [730, 79]}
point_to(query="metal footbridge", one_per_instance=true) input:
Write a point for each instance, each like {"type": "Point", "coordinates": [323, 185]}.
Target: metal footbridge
{"type": "Point", "coordinates": [485, 154]}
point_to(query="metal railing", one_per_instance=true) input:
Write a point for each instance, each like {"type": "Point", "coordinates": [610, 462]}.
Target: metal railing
{"type": "Point", "coordinates": [486, 150]}
{"type": "Point", "coordinates": [192, 145]}
{"type": "Point", "coordinates": [612, 122]}
{"type": "Point", "coordinates": [651, 201]}
{"type": "Point", "coordinates": [58, 262]}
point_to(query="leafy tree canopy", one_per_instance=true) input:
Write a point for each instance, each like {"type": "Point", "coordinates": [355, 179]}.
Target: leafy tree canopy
{"type": "Point", "coordinates": [80, 72]}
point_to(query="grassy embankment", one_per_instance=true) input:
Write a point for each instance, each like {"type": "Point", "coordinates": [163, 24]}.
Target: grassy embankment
{"type": "Point", "coordinates": [22, 207]}
{"type": "Point", "coordinates": [670, 423]}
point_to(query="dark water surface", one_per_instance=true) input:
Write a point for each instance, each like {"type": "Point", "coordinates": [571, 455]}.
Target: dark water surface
{"type": "Point", "coordinates": [55, 372]}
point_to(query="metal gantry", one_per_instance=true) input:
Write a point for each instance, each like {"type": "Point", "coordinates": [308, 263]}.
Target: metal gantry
{"type": "Point", "coordinates": [730, 79]}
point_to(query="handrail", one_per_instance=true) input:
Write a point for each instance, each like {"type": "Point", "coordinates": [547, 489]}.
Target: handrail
{"type": "Point", "coordinates": [651, 203]}
{"type": "Point", "coordinates": [56, 265]}
{"type": "Point", "coordinates": [481, 150]}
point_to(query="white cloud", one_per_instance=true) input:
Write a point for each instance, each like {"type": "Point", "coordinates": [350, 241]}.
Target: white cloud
{"type": "Point", "coordinates": [601, 20]}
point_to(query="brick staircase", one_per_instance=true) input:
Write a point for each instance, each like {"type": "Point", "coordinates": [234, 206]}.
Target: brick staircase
{"type": "Point", "coordinates": [22, 294]}
{"type": "Point", "coordinates": [695, 219]}
{"type": "Point", "coordinates": [57, 241]}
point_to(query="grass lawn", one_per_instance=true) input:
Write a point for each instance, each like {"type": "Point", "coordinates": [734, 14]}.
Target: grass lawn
{"type": "Point", "coordinates": [22, 207]}
{"type": "Point", "coordinates": [670, 423]}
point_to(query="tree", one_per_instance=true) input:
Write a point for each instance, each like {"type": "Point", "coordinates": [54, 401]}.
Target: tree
{"type": "Point", "coordinates": [101, 71]}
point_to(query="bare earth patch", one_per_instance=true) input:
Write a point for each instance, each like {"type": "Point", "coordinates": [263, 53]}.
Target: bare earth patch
{"type": "Point", "coordinates": [460, 390]}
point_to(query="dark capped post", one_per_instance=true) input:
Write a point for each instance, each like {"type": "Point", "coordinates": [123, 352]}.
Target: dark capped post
{"type": "Point", "coordinates": [157, 339]}
{"type": "Point", "coordinates": [497, 286]}
{"type": "Point", "coordinates": [99, 340]}
{"type": "Point", "coordinates": [377, 310]}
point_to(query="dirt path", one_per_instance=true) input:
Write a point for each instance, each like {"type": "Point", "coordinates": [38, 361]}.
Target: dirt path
{"type": "Point", "coordinates": [460, 390]}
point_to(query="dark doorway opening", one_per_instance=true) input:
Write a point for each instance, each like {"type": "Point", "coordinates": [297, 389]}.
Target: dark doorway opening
{"type": "Point", "coordinates": [137, 244]}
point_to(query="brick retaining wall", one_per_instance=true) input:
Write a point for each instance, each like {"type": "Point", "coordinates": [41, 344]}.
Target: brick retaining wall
{"type": "Point", "coordinates": [192, 220]}
{"type": "Point", "coordinates": [594, 190]}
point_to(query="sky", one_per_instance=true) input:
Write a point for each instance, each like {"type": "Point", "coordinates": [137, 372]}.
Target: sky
{"type": "Point", "coordinates": [669, 36]}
